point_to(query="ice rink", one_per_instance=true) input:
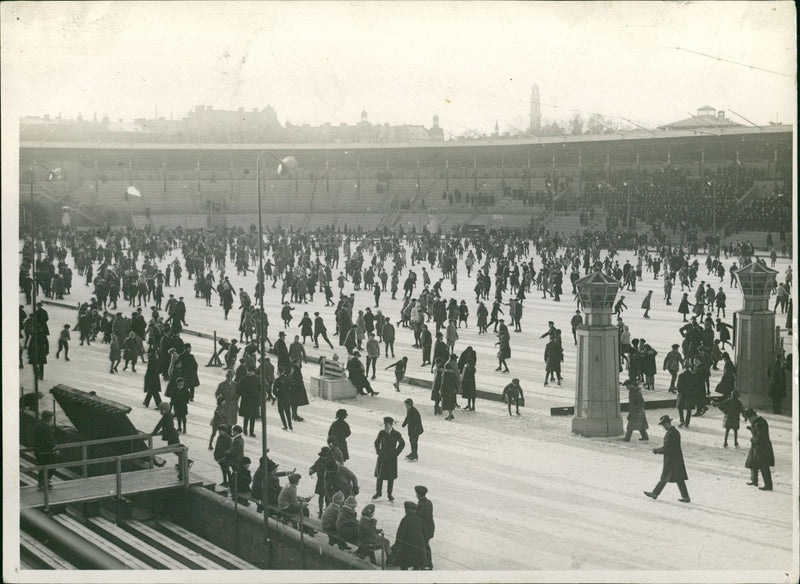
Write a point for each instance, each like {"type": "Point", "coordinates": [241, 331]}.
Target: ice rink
{"type": "Point", "coordinates": [520, 493]}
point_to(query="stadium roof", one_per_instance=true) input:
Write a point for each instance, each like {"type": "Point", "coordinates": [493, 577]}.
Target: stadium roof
{"type": "Point", "coordinates": [719, 129]}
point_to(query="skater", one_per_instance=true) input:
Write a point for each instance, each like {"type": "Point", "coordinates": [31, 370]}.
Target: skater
{"type": "Point", "coordinates": [320, 331]}
{"type": "Point", "coordinates": [672, 363]}
{"type": "Point", "coordinates": [674, 469]}
{"type": "Point", "coordinates": [689, 386]}
{"type": "Point", "coordinates": [646, 304]}
{"type": "Point", "coordinates": [63, 342]}
{"type": "Point", "coordinates": [399, 371]}
{"type": "Point", "coordinates": [513, 392]}
{"type": "Point", "coordinates": [414, 423]}
{"type": "Point", "coordinates": [340, 431]}
{"type": "Point", "coordinates": [152, 380]}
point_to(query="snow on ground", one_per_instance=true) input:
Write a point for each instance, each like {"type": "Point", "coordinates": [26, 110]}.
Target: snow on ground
{"type": "Point", "coordinates": [520, 493]}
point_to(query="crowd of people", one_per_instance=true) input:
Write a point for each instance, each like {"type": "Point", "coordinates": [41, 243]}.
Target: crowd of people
{"type": "Point", "coordinates": [504, 269]}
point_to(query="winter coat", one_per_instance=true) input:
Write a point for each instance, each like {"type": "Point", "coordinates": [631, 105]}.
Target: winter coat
{"type": "Point", "coordinates": [637, 420]}
{"type": "Point", "coordinates": [468, 381]}
{"type": "Point", "coordinates": [732, 408]}
{"type": "Point", "coordinates": [341, 431]}
{"type": "Point", "coordinates": [347, 524]}
{"type": "Point", "coordinates": [425, 513]}
{"type": "Point", "coordinates": [227, 389]}
{"type": "Point", "coordinates": [368, 536]}
{"type": "Point", "coordinates": [409, 545]}
{"type": "Point", "coordinates": [449, 389]}
{"type": "Point", "coordinates": [726, 384]}
{"type": "Point", "coordinates": [299, 395]}
{"type": "Point", "coordinates": [436, 386]}
{"type": "Point", "coordinates": [250, 402]}
{"type": "Point", "coordinates": [152, 377]}
{"type": "Point", "coordinates": [388, 447]}
{"type": "Point", "coordinates": [329, 517]}
{"type": "Point", "coordinates": [188, 369]}
{"type": "Point", "coordinates": [413, 421]}
{"type": "Point", "coordinates": [687, 386]}
{"type": "Point", "coordinates": [761, 454]}
{"type": "Point", "coordinates": [674, 469]}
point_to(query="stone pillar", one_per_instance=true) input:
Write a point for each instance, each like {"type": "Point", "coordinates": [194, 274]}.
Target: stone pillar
{"type": "Point", "coordinates": [755, 335]}
{"type": "Point", "coordinates": [597, 411]}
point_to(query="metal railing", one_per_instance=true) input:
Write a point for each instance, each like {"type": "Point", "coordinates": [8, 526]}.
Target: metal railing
{"type": "Point", "coordinates": [179, 449]}
{"type": "Point", "coordinates": [84, 447]}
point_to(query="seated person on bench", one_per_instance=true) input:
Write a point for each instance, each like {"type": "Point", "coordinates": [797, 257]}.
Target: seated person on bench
{"type": "Point", "coordinates": [288, 501]}
{"type": "Point", "coordinates": [329, 517]}
{"type": "Point", "coordinates": [370, 538]}
{"type": "Point", "coordinates": [347, 521]}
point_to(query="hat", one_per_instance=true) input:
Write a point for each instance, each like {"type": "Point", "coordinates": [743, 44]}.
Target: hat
{"type": "Point", "coordinates": [316, 314]}
{"type": "Point", "coordinates": [294, 477]}
{"type": "Point", "coordinates": [237, 428]}
{"type": "Point", "coordinates": [47, 414]}
{"type": "Point", "coordinates": [222, 427]}
{"type": "Point", "coordinates": [324, 451]}
{"type": "Point", "coordinates": [271, 465]}
{"type": "Point", "coordinates": [664, 420]}
{"type": "Point", "coordinates": [281, 334]}
{"type": "Point", "coordinates": [350, 502]}
{"type": "Point", "coordinates": [356, 354]}
{"type": "Point", "coordinates": [421, 491]}
{"type": "Point", "coordinates": [410, 505]}
{"type": "Point", "coordinates": [749, 413]}
{"type": "Point", "coordinates": [338, 498]}
{"type": "Point", "coordinates": [409, 401]}
{"type": "Point", "coordinates": [368, 510]}
{"type": "Point", "coordinates": [515, 380]}
{"type": "Point", "coordinates": [246, 460]}
{"type": "Point", "coordinates": [342, 413]}
{"type": "Point", "coordinates": [676, 346]}
{"type": "Point", "coordinates": [388, 420]}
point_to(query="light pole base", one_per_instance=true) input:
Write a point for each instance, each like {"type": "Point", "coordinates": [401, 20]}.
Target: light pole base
{"type": "Point", "coordinates": [597, 427]}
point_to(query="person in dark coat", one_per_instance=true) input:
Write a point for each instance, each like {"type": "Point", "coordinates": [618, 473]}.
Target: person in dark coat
{"type": "Point", "coordinates": [468, 385]}
{"type": "Point", "coordinates": [38, 349]}
{"type": "Point", "coordinates": [513, 393]}
{"type": "Point", "coordinates": [282, 389]}
{"type": "Point", "coordinates": [318, 468]}
{"type": "Point", "coordinates": [44, 446]}
{"type": "Point", "coordinates": [674, 470]}
{"type": "Point", "coordinates": [436, 387]}
{"type": "Point", "coordinates": [179, 400]}
{"type": "Point", "coordinates": [356, 374]}
{"type": "Point", "coordinates": [399, 371]}
{"type": "Point", "coordinates": [777, 383]}
{"type": "Point", "coordinates": [637, 420]}
{"type": "Point", "coordinates": [187, 365]}
{"type": "Point", "coordinates": [449, 390]}
{"type": "Point", "coordinates": [426, 340]}
{"type": "Point", "coordinates": [425, 513]}
{"type": "Point", "coordinates": [728, 381]}
{"type": "Point", "coordinates": [370, 537]}
{"type": "Point", "coordinates": [282, 352]}
{"type": "Point", "coordinates": [388, 446]}
{"type": "Point", "coordinates": [347, 521]}
{"type": "Point", "coordinates": [413, 421]}
{"type": "Point", "coordinates": [340, 430]}
{"type": "Point", "coordinates": [249, 401]}
{"type": "Point", "coordinates": [166, 426]}
{"type": "Point", "coordinates": [299, 395]}
{"type": "Point", "coordinates": [409, 545]}
{"type": "Point", "coordinates": [152, 380]}
{"type": "Point", "coordinates": [227, 389]}
{"type": "Point", "coordinates": [440, 349]}
{"type": "Point", "coordinates": [732, 408]}
{"type": "Point", "coordinates": [688, 386]}
{"type": "Point", "coordinates": [761, 456]}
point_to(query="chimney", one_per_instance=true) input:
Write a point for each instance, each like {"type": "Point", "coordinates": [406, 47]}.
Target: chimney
{"type": "Point", "coordinates": [721, 114]}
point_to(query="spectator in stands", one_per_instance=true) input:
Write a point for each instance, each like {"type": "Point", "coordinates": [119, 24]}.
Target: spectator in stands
{"type": "Point", "coordinates": [347, 521]}
{"type": "Point", "coordinates": [44, 446]}
{"type": "Point", "coordinates": [329, 518]}
{"type": "Point", "coordinates": [221, 448]}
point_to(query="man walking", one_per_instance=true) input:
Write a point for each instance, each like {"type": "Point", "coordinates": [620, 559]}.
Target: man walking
{"type": "Point", "coordinates": [761, 455]}
{"type": "Point", "coordinates": [674, 470]}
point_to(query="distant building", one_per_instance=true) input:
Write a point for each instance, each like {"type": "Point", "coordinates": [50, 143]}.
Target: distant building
{"type": "Point", "coordinates": [707, 117]}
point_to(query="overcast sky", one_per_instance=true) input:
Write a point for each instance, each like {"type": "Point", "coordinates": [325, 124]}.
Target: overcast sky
{"type": "Point", "coordinates": [470, 63]}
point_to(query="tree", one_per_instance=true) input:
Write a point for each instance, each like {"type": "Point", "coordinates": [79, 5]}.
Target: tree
{"type": "Point", "coordinates": [576, 125]}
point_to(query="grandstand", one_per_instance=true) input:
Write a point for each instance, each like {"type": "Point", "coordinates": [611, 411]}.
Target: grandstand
{"type": "Point", "coordinates": [670, 183]}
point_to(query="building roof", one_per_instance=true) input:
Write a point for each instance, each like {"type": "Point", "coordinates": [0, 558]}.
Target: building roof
{"type": "Point", "coordinates": [700, 122]}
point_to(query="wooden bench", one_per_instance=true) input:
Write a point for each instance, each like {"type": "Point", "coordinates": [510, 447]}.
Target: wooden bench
{"type": "Point", "coordinates": [204, 546]}
{"type": "Point", "coordinates": [311, 526]}
{"type": "Point", "coordinates": [41, 554]}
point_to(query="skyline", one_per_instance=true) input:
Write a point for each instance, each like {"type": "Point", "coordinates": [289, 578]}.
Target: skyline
{"type": "Point", "coordinates": [469, 63]}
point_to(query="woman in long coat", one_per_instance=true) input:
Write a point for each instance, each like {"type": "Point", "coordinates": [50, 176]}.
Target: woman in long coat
{"type": "Point", "coordinates": [114, 353]}
{"type": "Point", "coordinates": [408, 550]}
{"type": "Point", "coordinates": [299, 395]}
{"type": "Point", "coordinates": [340, 430]}
{"type": "Point", "coordinates": [448, 390]}
{"type": "Point", "coordinates": [250, 401]}
{"type": "Point", "coordinates": [468, 385]}
{"type": "Point", "coordinates": [684, 305]}
{"type": "Point", "coordinates": [38, 348]}
{"type": "Point", "coordinates": [726, 384]}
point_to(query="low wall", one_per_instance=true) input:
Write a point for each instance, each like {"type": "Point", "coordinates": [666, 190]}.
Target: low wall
{"type": "Point", "coordinates": [213, 517]}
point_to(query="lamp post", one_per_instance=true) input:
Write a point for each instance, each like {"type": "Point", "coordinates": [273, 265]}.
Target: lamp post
{"type": "Point", "coordinates": [34, 316]}
{"type": "Point", "coordinates": [288, 163]}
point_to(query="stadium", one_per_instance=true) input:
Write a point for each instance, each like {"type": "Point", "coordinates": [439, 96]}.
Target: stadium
{"type": "Point", "coordinates": [256, 271]}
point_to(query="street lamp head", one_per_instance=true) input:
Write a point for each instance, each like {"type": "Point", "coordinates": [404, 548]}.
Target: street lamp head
{"type": "Point", "coordinates": [286, 165]}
